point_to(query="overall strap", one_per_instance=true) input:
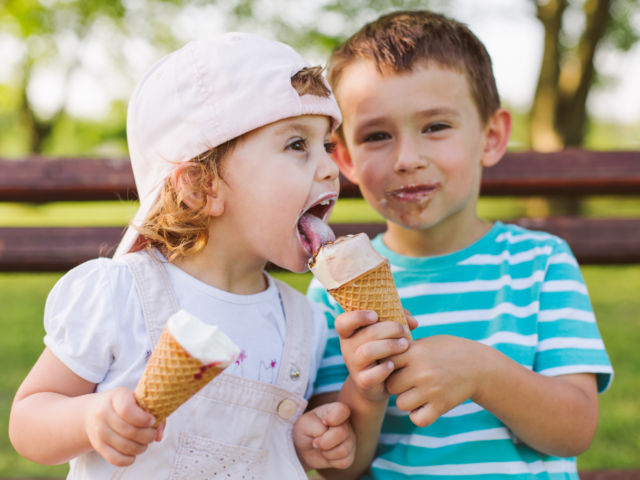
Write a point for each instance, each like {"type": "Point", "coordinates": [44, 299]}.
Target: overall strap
{"type": "Point", "coordinates": [296, 354]}
{"type": "Point", "coordinates": [156, 294]}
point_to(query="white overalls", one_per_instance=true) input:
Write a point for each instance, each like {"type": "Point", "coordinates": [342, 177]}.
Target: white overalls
{"type": "Point", "coordinates": [234, 428]}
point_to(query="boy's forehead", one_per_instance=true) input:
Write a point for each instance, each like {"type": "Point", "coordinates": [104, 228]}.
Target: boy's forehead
{"type": "Point", "coordinates": [368, 97]}
{"type": "Point", "coordinates": [364, 74]}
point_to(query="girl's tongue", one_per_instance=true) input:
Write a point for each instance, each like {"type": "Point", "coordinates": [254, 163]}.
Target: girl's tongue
{"type": "Point", "coordinates": [314, 233]}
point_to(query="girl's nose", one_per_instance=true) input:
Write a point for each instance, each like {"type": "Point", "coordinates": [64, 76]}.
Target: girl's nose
{"type": "Point", "coordinates": [408, 156]}
{"type": "Point", "coordinates": [327, 168]}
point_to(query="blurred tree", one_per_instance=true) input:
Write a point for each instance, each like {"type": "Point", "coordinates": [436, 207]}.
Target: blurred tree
{"type": "Point", "coordinates": [55, 34]}
{"type": "Point", "coordinates": [567, 73]}
{"type": "Point", "coordinates": [58, 34]}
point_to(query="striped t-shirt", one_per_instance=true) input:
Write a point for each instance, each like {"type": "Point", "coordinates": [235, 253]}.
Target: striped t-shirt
{"type": "Point", "coordinates": [516, 290]}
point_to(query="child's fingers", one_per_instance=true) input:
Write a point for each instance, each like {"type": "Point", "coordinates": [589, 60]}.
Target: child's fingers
{"type": "Point", "coordinates": [424, 415]}
{"type": "Point", "coordinates": [348, 323]}
{"type": "Point", "coordinates": [376, 350]}
{"type": "Point", "coordinates": [412, 322]}
{"type": "Point", "coordinates": [374, 375]}
{"type": "Point", "coordinates": [333, 414]}
{"type": "Point", "coordinates": [125, 405]}
{"type": "Point", "coordinates": [160, 430]}
{"type": "Point", "coordinates": [331, 439]}
{"type": "Point", "coordinates": [314, 426]}
{"type": "Point", "coordinates": [115, 457]}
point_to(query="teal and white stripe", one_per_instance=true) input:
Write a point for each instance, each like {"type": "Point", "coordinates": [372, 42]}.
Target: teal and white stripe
{"type": "Point", "coordinates": [515, 290]}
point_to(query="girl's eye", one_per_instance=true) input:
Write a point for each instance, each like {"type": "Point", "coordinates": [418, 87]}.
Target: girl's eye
{"type": "Point", "coordinates": [299, 145]}
{"type": "Point", "coordinates": [435, 127]}
{"type": "Point", "coordinates": [376, 137]}
{"type": "Point", "coordinates": [330, 147]}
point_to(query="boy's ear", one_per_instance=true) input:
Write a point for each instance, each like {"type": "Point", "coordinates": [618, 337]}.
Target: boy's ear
{"type": "Point", "coordinates": [211, 198]}
{"type": "Point", "coordinates": [342, 158]}
{"type": "Point", "coordinates": [497, 134]}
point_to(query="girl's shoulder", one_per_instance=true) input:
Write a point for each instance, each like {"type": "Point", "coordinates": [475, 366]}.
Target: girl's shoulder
{"type": "Point", "coordinates": [96, 275]}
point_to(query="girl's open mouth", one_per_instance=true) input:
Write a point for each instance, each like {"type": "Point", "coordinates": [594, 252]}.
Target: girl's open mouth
{"type": "Point", "coordinates": [313, 230]}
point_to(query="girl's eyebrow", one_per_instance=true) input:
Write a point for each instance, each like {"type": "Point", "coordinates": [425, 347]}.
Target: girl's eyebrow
{"type": "Point", "coordinates": [286, 127]}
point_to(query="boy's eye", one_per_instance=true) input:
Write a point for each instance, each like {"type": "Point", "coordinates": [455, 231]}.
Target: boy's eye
{"type": "Point", "coordinates": [330, 147]}
{"type": "Point", "coordinates": [299, 145]}
{"type": "Point", "coordinates": [376, 137]}
{"type": "Point", "coordinates": [435, 127]}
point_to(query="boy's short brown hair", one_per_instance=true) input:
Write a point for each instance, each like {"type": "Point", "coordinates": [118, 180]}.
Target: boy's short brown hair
{"type": "Point", "coordinates": [397, 41]}
{"type": "Point", "coordinates": [179, 230]}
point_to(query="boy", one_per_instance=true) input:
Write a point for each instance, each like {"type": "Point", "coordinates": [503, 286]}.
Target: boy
{"type": "Point", "coordinates": [503, 373]}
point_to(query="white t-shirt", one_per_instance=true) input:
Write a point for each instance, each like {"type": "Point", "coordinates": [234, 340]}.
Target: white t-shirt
{"type": "Point", "coordinates": [94, 324]}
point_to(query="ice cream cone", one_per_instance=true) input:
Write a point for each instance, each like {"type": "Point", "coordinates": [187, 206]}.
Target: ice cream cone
{"type": "Point", "coordinates": [171, 377]}
{"type": "Point", "coordinates": [373, 290]}
{"type": "Point", "coordinates": [358, 277]}
{"type": "Point", "coordinates": [173, 374]}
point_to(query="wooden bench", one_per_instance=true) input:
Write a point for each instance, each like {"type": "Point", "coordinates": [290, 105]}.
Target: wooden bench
{"type": "Point", "coordinates": [566, 174]}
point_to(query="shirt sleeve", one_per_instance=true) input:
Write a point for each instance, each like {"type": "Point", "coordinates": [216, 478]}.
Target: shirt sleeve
{"type": "Point", "coordinates": [332, 371]}
{"type": "Point", "coordinates": [79, 321]}
{"type": "Point", "coordinates": [569, 341]}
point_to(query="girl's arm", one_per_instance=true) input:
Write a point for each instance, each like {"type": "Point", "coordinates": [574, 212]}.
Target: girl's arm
{"type": "Point", "coordinates": [57, 416]}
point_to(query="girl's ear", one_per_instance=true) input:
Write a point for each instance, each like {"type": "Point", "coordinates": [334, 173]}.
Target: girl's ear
{"type": "Point", "coordinates": [342, 158]}
{"type": "Point", "coordinates": [211, 197]}
{"type": "Point", "coordinates": [215, 200]}
{"type": "Point", "coordinates": [497, 134]}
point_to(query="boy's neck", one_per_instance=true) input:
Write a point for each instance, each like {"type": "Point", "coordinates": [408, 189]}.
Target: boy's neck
{"type": "Point", "coordinates": [441, 239]}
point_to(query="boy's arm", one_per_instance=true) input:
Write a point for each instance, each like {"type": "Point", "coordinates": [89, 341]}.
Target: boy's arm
{"type": "Point", "coordinates": [56, 416]}
{"type": "Point", "coordinates": [555, 415]}
{"type": "Point", "coordinates": [365, 344]}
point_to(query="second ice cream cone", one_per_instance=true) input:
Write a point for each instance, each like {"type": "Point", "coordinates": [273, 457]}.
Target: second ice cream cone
{"type": "Point", "coordinates": [173, 374]}
{"type": "Point", "coordinates": [171, 377]}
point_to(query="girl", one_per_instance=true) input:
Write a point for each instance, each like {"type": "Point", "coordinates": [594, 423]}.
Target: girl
{"type": "Point", "coordinates": [229, 142]}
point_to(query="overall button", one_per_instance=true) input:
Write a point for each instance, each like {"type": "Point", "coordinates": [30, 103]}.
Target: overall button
{"type": "Point", "coordinates": [287, 408]}
{"type": "Point", "coordinates": [294, 373]}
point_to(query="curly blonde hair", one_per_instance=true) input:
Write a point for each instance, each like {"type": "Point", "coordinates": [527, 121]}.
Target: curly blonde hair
{"type": "Point", "coordinates": [172, 226]}
{"type": "Point", "coordinates": [177, 229]}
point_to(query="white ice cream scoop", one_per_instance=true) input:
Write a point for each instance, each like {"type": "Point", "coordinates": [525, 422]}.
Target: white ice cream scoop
{"type": "Point", "coordinates": [339, 262]}
{"type": "Point", "coordinates": [207, 343]}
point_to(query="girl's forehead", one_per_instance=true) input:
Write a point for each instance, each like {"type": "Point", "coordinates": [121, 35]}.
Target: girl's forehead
{"type": "Point", "coordinates": [306, 125]}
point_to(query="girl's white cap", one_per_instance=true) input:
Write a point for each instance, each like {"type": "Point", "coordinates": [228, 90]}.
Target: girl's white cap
{"type": "Point", "coordinates": [203, 95]}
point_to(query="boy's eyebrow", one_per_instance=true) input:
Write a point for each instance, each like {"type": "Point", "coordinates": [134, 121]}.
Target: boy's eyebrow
{"type": "Point", "coordinates": [429, 112]}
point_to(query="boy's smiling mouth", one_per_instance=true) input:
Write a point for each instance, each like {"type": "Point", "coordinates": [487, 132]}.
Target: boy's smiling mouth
{"type": "Point", "coordinates": [312, 228]}
{"type": "Point", "coordinates": [413, 192]}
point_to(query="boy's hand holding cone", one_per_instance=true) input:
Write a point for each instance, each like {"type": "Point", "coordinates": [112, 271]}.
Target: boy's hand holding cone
{"type": "Point", "coordinates": [189, 354]}
{"type": "Point", "coordinates": [358, 277]}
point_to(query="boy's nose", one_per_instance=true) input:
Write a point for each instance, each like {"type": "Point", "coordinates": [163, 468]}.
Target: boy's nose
{"type": "Point", "coordinates": [408, 156]}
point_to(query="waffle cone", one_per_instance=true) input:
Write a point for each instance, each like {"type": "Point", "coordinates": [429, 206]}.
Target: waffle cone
{"type": "Point", "coordinates": [171, 377]}
{"type": "Point", "coordinates": [373, 290]}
